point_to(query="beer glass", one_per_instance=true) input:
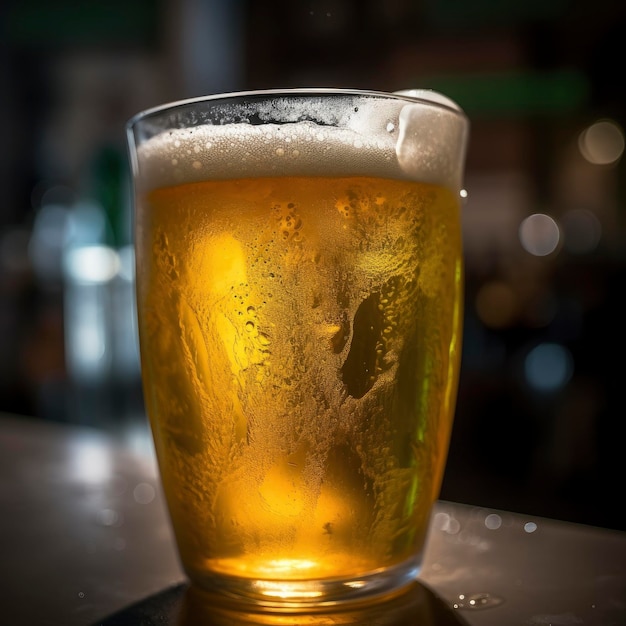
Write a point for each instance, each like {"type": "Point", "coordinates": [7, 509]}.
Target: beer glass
{"type": "Point", "coordinates": [299, 293]}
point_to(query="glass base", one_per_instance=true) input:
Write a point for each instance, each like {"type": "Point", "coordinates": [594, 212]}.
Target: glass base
{"type": "Point", "coordinates": [308, 595]}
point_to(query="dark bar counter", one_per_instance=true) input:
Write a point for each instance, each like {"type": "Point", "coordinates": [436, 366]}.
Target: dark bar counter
{"type": "Point", "coordinates": [85, 541]}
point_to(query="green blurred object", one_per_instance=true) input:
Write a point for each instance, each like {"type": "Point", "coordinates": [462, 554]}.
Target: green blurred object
{"type": "Point", "coordinates": [72, 22]}
{"type": "Point", "coordinates": [516, 94]}
{"type": "Point", "coordinates": [109, 188]}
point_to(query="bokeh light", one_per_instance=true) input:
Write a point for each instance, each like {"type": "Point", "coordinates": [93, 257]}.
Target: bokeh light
{"type": "Point", "coordinates": [539, 234]}
{"type": "Point", "coordinates": [496, 304]}
{"type": "Point", "coordinates": [47, 242]}
{"type": "Point", "coordinates": [91, 461]}
{"type": "Point", "coordinates": [92, 264]}
{"type": "Point", "coordinates": [602, 143]}
{"type": "Point", "coordinates": [548, 367]}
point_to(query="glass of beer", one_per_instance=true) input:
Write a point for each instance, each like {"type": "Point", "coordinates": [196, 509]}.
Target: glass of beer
{"type": "Point", "coordinates": [299, 294]}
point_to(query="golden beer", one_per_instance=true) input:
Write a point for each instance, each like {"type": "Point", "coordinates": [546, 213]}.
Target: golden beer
{"type": "Point", "coordinates": [300, 329]}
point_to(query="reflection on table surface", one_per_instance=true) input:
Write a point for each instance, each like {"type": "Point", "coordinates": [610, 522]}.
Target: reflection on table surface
{"type": "Point", "coordinates": [85, 540]}
{"type": "Point", "coordinates": [185, 606]}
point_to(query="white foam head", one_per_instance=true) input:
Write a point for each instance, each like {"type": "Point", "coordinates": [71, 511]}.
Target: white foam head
{"type": "Point", "coordinates": [406, 136]}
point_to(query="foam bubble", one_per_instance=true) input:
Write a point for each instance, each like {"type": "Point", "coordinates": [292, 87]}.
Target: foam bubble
{"type": "Point", "coordinates": [390, 138]}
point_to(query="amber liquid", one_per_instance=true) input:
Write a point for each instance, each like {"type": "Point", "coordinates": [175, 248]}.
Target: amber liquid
{"type": "Point", "coordinates": [300, 346]}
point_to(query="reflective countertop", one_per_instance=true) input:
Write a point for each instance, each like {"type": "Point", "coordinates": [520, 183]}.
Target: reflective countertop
{"type": "Point", "coordinates": [85, 540]}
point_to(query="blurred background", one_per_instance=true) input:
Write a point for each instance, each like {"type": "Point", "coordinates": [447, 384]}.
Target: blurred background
{"type": "Point", "coordinates": [540, 418]}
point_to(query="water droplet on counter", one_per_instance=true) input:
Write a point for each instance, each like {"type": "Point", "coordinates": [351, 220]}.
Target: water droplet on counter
{"type": "Point", "coordinates": [108, 517]}
{"type": "Point", "coordinates": [482, 600]}
{"type": "Point", "coordinates": [447, 524]}
{"type": "Point", "coordinates": [144, 493]}
{"type": "Point", "coordinates": [493, 521]}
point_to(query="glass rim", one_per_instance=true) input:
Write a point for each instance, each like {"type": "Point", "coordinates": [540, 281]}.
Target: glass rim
{"type": "Point", "coordinates": [402, 95]}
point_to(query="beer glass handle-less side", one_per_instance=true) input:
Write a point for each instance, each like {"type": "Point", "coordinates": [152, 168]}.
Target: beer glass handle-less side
{"type": "Point", "coordinates": [299, 296]}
